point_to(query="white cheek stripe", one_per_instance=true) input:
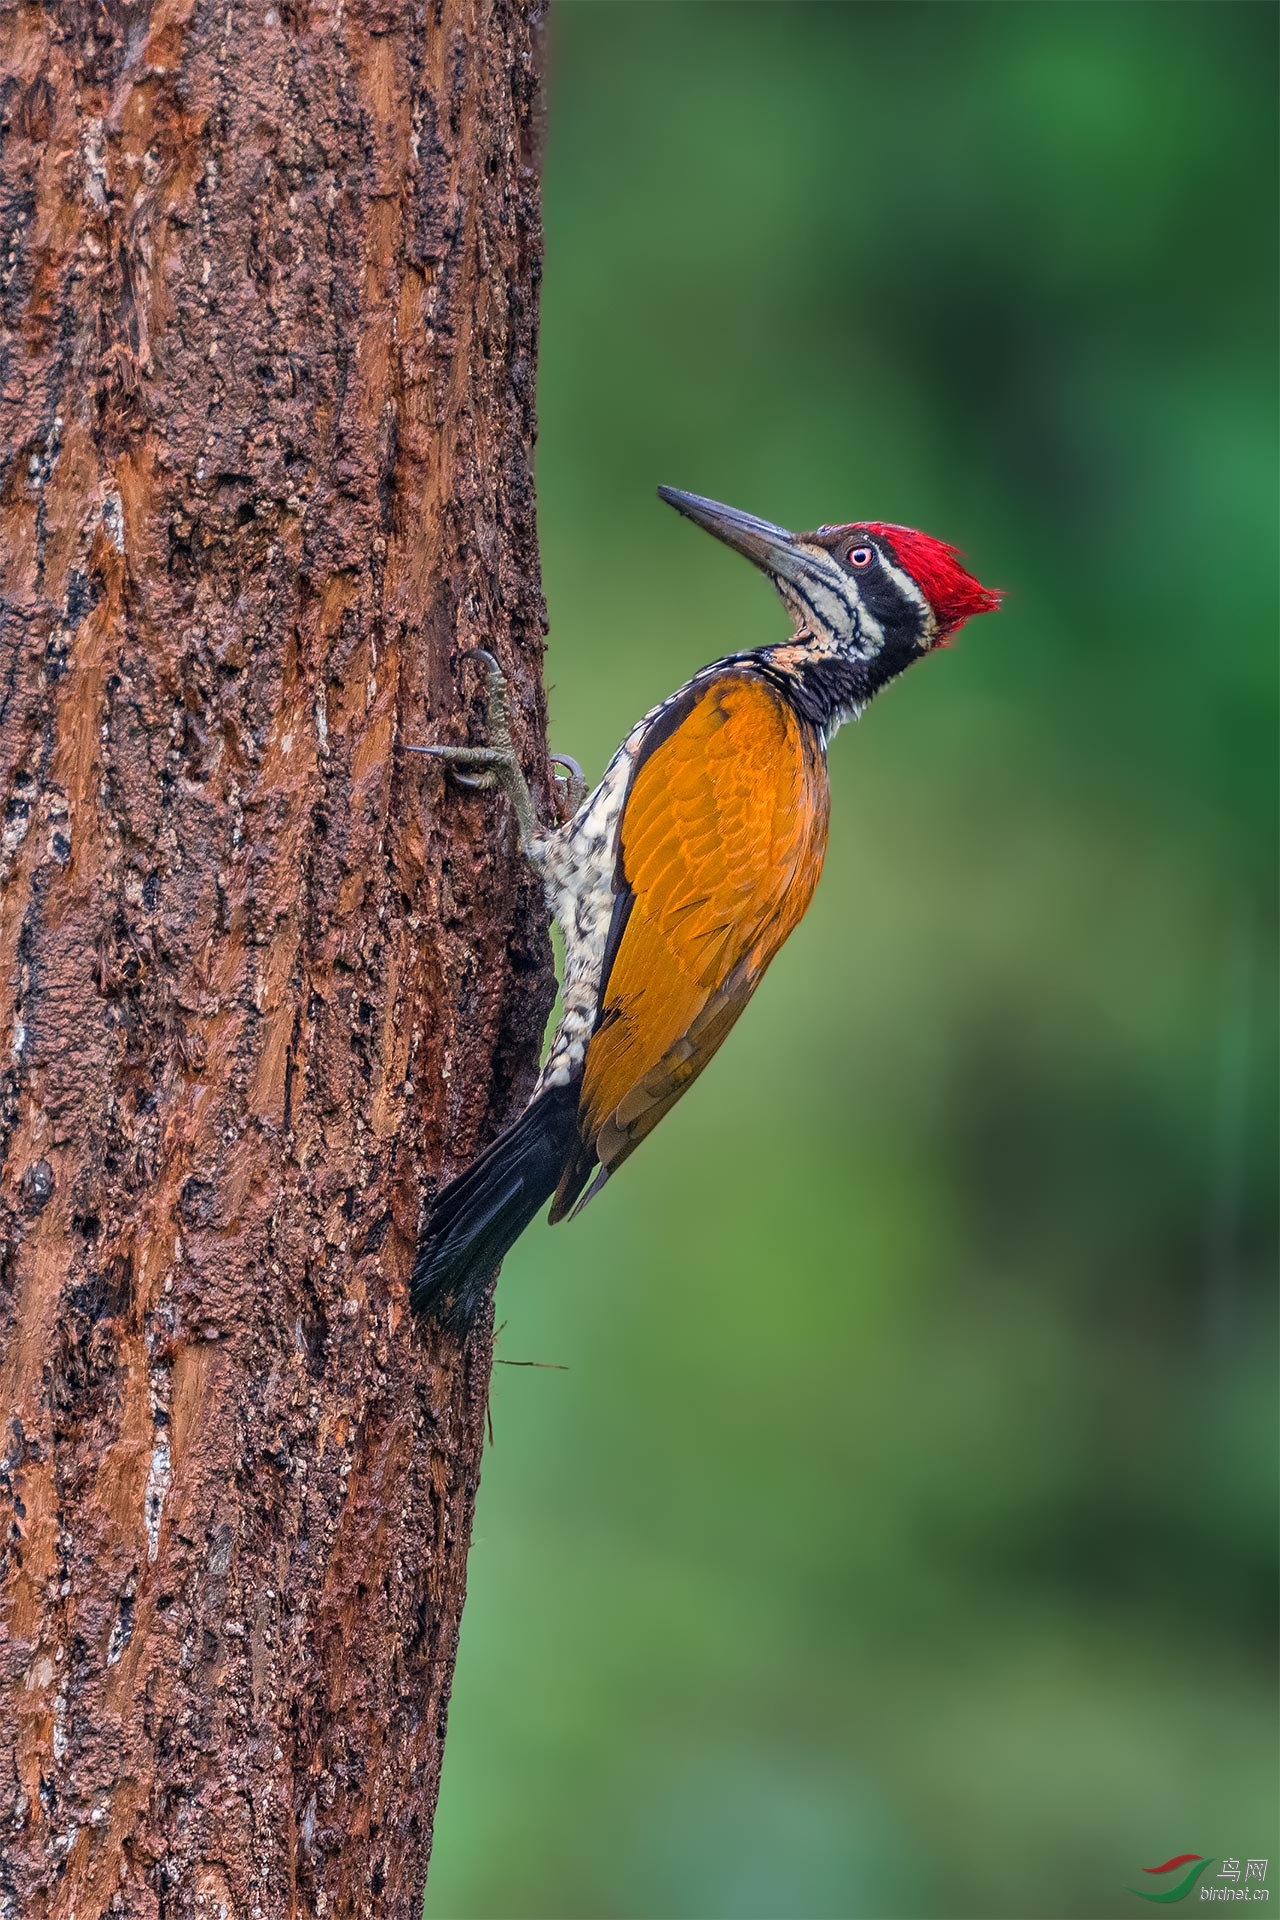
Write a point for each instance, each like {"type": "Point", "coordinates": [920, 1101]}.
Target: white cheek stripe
{"type": "Point", "coordinates": [910, 591]}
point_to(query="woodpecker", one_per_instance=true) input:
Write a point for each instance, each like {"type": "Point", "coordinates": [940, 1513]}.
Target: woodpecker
{"type": "Point", "coordinates": [678, 878]}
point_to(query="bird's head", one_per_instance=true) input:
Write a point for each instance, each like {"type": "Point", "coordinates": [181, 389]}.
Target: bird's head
{"type": "Point", "coordinates": [876, 593]}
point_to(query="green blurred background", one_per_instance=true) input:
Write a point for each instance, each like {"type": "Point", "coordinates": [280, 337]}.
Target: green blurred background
{"type": "Point", "coordinates": [901, 1539]}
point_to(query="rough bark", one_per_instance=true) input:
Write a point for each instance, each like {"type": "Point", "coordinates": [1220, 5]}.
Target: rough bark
{"type": "Point", "coordinates": [266, 419]}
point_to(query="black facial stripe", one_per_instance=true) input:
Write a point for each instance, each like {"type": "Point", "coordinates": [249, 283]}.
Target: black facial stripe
{"type": "Point", "coordinates": [840, 588]}
{"type": "Point", "coordinates": [800, 594]}
{"type": "Point", "coordinates": [900, 649]}
{"type": "Point", "coordinates": [895, 610]}
{"type": "Point", "coordinates": [811, 606]}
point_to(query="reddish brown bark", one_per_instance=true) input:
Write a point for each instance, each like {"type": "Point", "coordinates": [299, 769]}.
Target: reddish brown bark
{"type": "Point", "coordinates": [266, 415]}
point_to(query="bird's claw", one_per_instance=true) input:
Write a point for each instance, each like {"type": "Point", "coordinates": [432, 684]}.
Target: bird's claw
{"type": "Point", "coordinates": [474, 767]}
{"type": "Point", "coordinates": [496, 765]}
{"type": "Point", "coordinates": [570, 787]}
{"type": "Point", "coordinates": [482, 768]}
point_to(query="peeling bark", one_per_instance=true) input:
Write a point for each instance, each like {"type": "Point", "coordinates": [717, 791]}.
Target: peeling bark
{"type": "Point", "coordinates": [266, 419]}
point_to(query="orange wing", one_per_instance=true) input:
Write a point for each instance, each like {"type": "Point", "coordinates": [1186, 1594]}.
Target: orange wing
{"type": "Point", "coordinates": [722, 843]}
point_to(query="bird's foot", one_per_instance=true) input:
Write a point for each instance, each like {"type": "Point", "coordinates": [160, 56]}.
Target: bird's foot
{"type": "Point", "coordinates": [482, 768]}
{"type": "Point", "coordinates": [495, 765]}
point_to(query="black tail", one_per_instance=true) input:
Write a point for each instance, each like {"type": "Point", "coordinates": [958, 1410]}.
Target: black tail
{"type": "Point", "coordinates": [479, 1216]}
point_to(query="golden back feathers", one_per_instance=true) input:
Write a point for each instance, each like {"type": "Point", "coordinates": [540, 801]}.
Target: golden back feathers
{"type": "Point", "coordinates": [723, 835]}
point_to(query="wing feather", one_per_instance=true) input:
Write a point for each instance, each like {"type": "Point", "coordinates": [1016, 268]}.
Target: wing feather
{"type": "Point", "coordinates": [722, 843]}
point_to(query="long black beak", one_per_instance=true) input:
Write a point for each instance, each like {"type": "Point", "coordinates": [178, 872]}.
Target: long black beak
{"type": "Point", "coordinates": [771, 548]}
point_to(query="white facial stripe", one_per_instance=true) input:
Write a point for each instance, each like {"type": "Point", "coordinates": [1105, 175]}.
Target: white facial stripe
{"type": "Point", "coordinates": [910, 591]}
{"type": "Point", "coordinates": [869, 630]}
{"type": "Point", "coordinates": [824, 592]}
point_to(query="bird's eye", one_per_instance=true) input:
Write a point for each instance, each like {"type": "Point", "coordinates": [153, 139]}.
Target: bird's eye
{"type": "Point", "coordinates": [861, 556]}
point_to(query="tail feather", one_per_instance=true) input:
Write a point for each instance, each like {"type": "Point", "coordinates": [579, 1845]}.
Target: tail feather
{"type": "Point", "coordinates": [479, 1216]}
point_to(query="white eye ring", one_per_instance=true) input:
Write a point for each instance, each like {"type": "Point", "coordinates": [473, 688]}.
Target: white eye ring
{"type": "Point", "coordinates": [861, 556]}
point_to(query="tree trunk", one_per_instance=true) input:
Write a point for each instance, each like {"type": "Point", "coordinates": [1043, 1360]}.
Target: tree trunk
{"type": "Point", "coordinates": [266, 421]}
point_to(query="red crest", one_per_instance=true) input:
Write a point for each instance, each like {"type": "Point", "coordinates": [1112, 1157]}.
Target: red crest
{"type": "Point", "coordinates": [950, 589]}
